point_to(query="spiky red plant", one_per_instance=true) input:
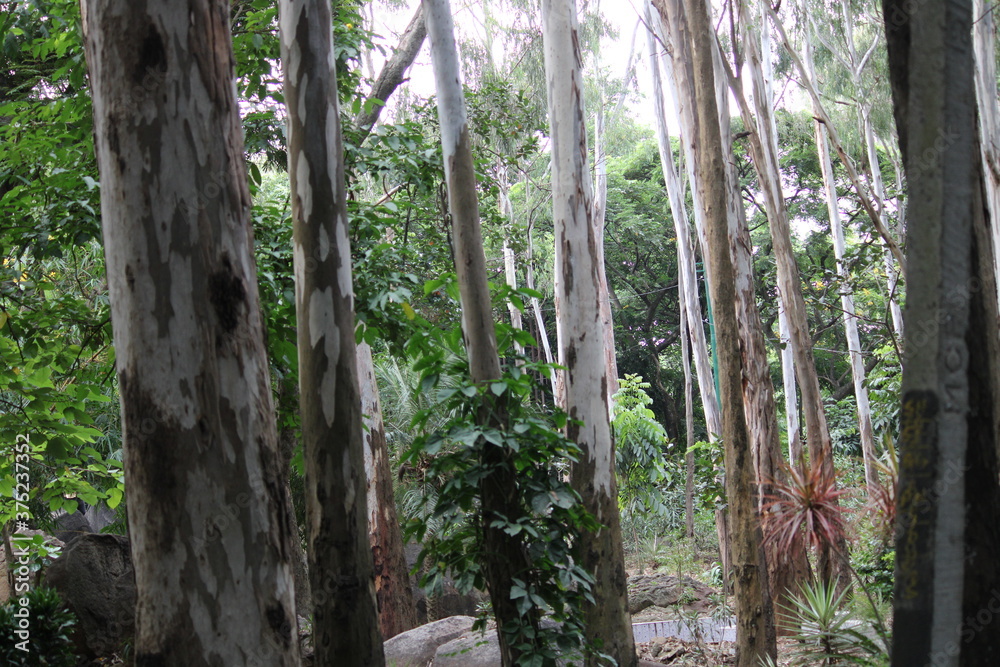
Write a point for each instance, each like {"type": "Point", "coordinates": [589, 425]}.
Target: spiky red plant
{"type": "Point", "coordinates": [806, 507]}
{"type": "Point", "coordinates": [882, 502]}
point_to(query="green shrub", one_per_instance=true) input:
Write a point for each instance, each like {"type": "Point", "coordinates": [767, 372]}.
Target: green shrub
{"type": "Point", "coordinates": [49, 628]}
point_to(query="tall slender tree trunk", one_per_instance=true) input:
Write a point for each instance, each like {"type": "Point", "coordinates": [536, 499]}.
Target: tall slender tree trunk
{"type": "Point", "coordinates": [758, 390]}
{"type": "Point", "coordinates": [791, 390]}
{"type": "Point", "coordinates": [785, 570]}
{"type": "Point", "coordinates": [397, 611]}
{"type": "Point", "coordinates": [345, 614]}
{"type": "Point", "coordinates": [509, 260]}
{"type": "Point", "coordinates": [597, 220]}
{"type": "Point", "coordinates": [688, 427]}
{"type": "Point", "coordinates": [506, 556]}
{"type": "Point", "coordinates": [856, 65]}
{"type": "Point", "coordinates": [824, 117]}
{"type": "Point", "coordinates": [947, 576]}
{"type": "Point", "coordinates": [763, 148]}
{"type": "Point", "coordinates": [846, 293]}
{"type": "Point", "coordinates": [687, 276]}
{"type": "Point", "coordinates": [580, 334]}
{"type": "Point", "coordinates": [209, 533]}
{"type": "Point", "coordinates": [755, 638]}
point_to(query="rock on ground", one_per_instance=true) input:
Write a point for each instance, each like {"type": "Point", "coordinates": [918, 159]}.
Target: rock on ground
{"type": "Point", "coordinates": [664, 591]}
{"type": "Point", "coordinates": [95, 579]}
{"type": "Point", "coordinates": [416, 647]}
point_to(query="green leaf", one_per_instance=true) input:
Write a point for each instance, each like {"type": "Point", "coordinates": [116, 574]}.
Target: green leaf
{"type": "Point", "coordinates": [498, 388]}
{"type": "Point", "coordinates": [114, 497]}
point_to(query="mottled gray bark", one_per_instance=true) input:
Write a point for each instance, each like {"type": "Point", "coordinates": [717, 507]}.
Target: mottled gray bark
{"type": "Point", "coordinates": [945, 584]}
{"type": "Point", "coordinates": [345, 621]}
{"type": "Point", "coordinates": [206, 504]}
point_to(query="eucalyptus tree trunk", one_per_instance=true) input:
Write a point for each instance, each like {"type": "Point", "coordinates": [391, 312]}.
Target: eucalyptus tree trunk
{"type": "Point", "coordinates": [536, 307]}
{"type": "Point", "coordinates": [209, 533]}
{"type": "Point", "coordinates": [597, 220]}
{"type": "Point", "coordinates": [397, 611]}
{"type": "Point", "coordinates": [688, 426]}
{"type": "Point", "coordinates": [948, 516]}
{"type": "Point", "coordinates": [984, 42]}
{"type": "Point", "coordinates": [391, 76]}
{"type": "Point", "coordinates": [580, 334]}
{"type": "Point", "coordinates": [505, 556]}
{"type": "Point", "coordinates": [846, 292]}
{"type": "Point", "coordinates": [786, 570]}
{"type": "Point", "coordinates": [790, 386]}
{"type": "Point", "coordinates": [345, 614]}
{"type": "Point", "coordinates": [758, 391]}
{"type": "Point", "coordinates": [509, 260]}
{"type": "Point", "coordinates": [834, 564]}
{"type": "Point", "coordinates": [856, 65]}
{"type": "Point", "coordinates": [791, 390]}
{"type": "Point", "coordinates": [755, 638]}
{"type": "Point", "coordinates": [687, 276]}
{"type": "Point", "coordinates": [824, 117]}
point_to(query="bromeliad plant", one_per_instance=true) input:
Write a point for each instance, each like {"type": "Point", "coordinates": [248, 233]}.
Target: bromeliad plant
{"type": "Point", "coordinates": [549, 515]}
{"type": "Point", "coordinates": [807, 507]}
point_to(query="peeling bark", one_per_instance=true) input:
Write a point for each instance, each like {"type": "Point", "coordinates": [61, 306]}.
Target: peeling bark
{"type": "Point", "coordinates": [506, 556]}
{"type": "Point", "coordinates": [834, 564]}
{"type": "Point", "coordinates": [579, 331]}
{"type": "Point", "coordinates": [397, 611]}
{"type": "Point", "coordinates": [206, 504]}
{"type": "Point", "coordinates": [345, 621]}
{"type": "Point", "coordinates": [755, 634]}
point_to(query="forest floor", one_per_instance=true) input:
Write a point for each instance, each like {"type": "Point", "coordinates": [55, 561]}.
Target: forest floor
{"type": "Point", "coordinates": [678, 653]}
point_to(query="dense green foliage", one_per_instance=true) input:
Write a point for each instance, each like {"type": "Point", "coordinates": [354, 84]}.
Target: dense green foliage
{"type": "Point", "coordinates": [48, 641]}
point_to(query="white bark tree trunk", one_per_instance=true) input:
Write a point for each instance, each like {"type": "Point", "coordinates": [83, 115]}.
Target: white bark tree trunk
{"type": "Point", "coordinates": [506, 556]}
{"type": "Point", "coordinates": [597, 220]}
{"type": "Point", "coordinates": [846, 292]}
{"type": "Point", "coordinates": [580, 333]}
{"type": "Point", "coordinates": [791, 388]}
{"type": "Point", "coordinates": [687, 276]}
{"type": "Point", "coordinates": [345, 614]}
{"type": "Point", "coordinates": [509, 260]}
{"type": "Point", "coordinates": [856, 65]}
{"type": "Point", "coordinates": [209, 533]}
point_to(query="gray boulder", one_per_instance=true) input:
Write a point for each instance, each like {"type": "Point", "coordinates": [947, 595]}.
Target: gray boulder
{"type": "Point", "coordinates": [664, 590]}
{"type": "Point", "coordinates": [416, 647]}
{"type": "Point", "coordinates": [475, 649]}
{"type": "Point", "coordinates": [94, 577]}
{"type": "Point", "coordinates": [479, 649]}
